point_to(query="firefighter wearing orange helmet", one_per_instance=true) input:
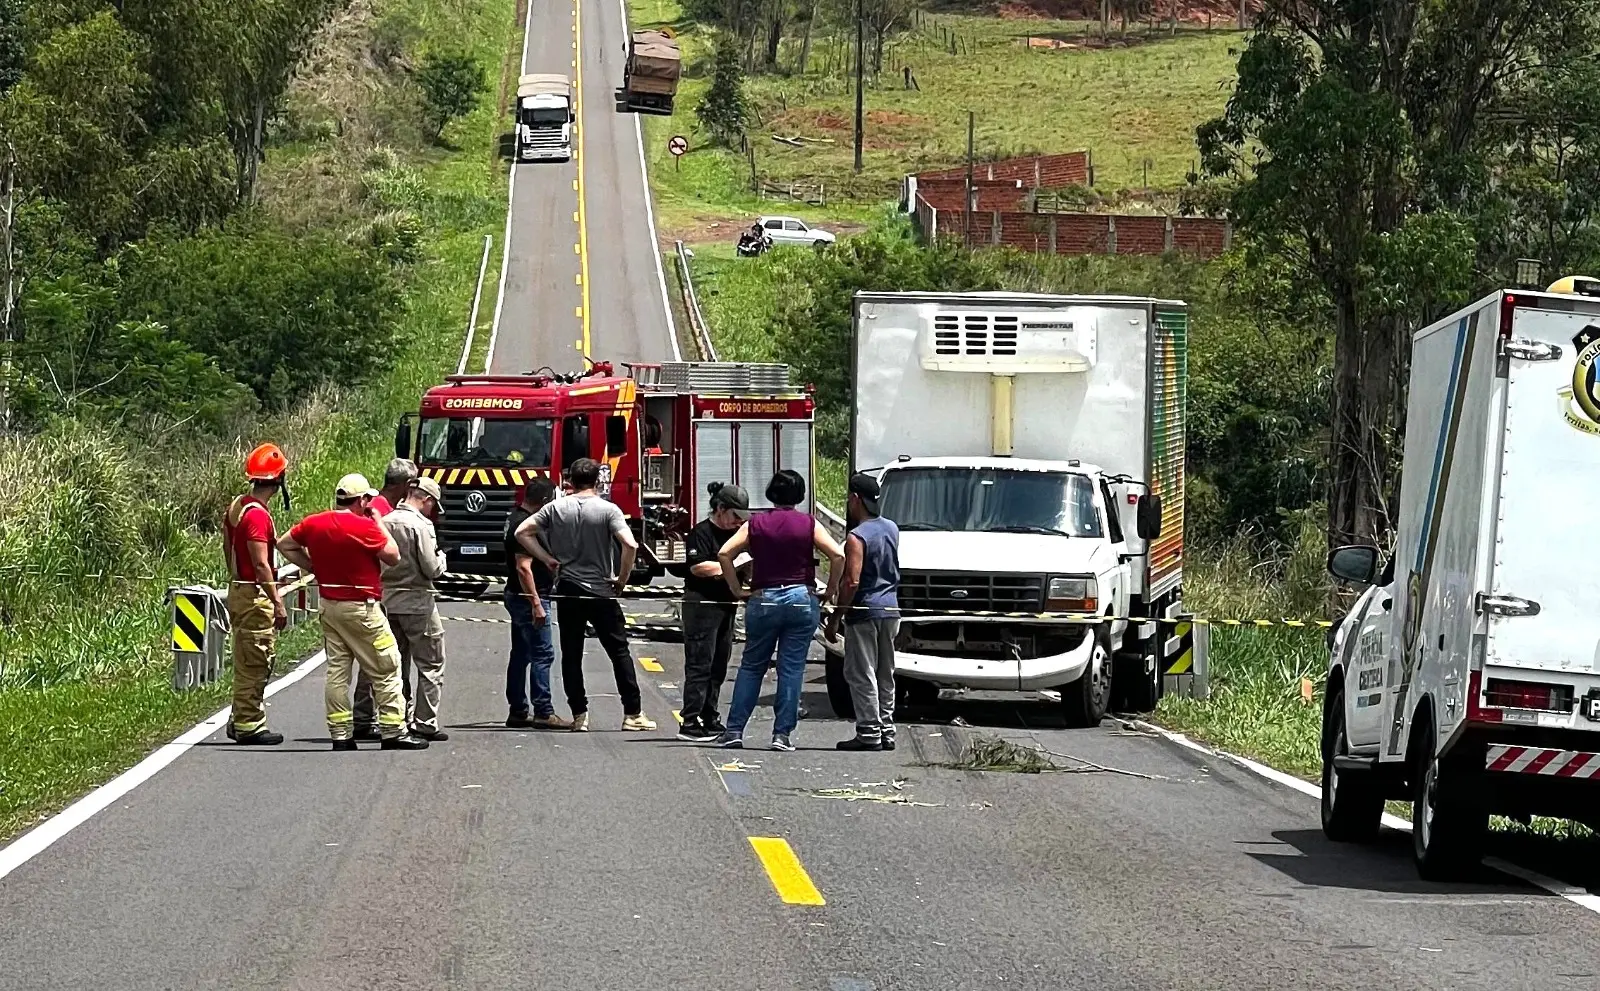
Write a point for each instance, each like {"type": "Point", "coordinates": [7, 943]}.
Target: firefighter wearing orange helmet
{"type": "Point", "coordinates": [255, 607]}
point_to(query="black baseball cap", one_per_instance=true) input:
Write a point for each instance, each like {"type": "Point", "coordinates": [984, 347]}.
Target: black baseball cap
{"type": "Point", "coordinates": [866, 488]}
{"type": "Point", "coordinates": [733, 498]}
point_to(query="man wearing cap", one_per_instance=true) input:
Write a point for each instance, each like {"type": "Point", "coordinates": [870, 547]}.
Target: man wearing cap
{"type": "Point", "coordinates": [871, 619]}
{"type": "Point", "coordinates": [408, 602]}
{"type": "Point", "coordinates": [708, 609]}
{"type": "Point", "coordinates": [397, 479]}
{"type": "Point", "coordinates": [346, 548]}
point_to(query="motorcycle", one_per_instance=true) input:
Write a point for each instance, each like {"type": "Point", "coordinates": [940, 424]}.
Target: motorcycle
{"type": "Point", "coordinates": [752, 244]}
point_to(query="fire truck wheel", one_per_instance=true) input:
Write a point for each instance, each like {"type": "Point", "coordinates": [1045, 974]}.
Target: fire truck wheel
{"type": "Point", "coordinates": [1351, 806]}
{"type": "Point", "coordinates": [843, 705]}
{"type": "Point", "coordinates": [1448, 821]}
{"type": "Point", "coordinates": [1084, 701]}
{"type": "Point", "coordinates": [1136, 686]}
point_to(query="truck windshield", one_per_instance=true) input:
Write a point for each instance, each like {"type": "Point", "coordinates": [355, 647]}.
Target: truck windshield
{"type": "Point", "coordinates": [475, 440]}
{"type": "Point", "coordinates": [544, 116]}
{"type": "Point", "coordinates": [991, 500]}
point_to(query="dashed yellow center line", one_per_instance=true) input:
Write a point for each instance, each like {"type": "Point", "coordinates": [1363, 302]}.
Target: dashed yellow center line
{"type": "Point", "coordinates": [676, 714]}
{"type": "Point", "coordinates": [788, 876]}
{"type": "Point", "coordinates": [651, 664]}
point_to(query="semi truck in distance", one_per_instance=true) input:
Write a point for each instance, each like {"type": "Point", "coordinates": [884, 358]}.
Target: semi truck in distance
{"type": "Point", "coordinates": [650, 73]}
{"type": "Point", "coordinates": [1031, 449]}
{"type": "Point", "coordinates": [545, 118]}
{"type": "Point", "coordinates": [661, 433]}
{"type": "Point", "coordinates": [1466, 677]}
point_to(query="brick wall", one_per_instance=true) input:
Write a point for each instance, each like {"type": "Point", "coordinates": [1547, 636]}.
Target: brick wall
{"type": "Point", "coordinates": [1034, 171]}
{"type": "Point", "coordinates": [949, 194]}
{"type": "Point", "coordinates": [1077, 233]}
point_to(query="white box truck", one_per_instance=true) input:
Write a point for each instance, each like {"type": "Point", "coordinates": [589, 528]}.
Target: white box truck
{"type": "Point", "coordinates": [544, 118]}
{"type": "Point", "coordinates": [1031, 449]}
{"type": "Point", "coordinates": [1466, 677]}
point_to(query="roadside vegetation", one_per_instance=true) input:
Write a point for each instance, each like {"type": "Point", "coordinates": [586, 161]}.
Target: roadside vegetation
{"type": "Point", "coordinates": [289, 257]}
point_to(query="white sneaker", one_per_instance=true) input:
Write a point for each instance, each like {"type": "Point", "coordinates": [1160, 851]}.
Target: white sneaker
{"type": "Point", "coordinates": [580, 723]}
{"type": "Point", "coordinates": [640, 723]}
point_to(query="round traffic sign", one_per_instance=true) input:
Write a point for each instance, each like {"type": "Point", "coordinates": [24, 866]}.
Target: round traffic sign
{"type": "Point", "coordinates": [678, 145]}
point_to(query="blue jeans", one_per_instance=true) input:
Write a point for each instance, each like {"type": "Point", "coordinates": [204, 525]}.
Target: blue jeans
{"type": "Point", "coordinates": [532, 647]}
{"type": "Point", "coordinates": [781, 619]}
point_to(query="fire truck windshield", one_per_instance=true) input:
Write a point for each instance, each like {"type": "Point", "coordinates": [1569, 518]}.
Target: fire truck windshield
{"type": "Point", "coordinates": [475, 440]}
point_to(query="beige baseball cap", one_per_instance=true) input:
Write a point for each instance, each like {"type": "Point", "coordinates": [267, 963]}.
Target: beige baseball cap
{"type": "Point", "coordinates": [429, 487]}
{"type": "Point", "coordinates": [353, 486]}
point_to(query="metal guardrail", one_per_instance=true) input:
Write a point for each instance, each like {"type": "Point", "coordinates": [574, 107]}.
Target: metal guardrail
{"type": "Point", "coordinates": [200, 625]}
{"type": "Point", "coordinates": [691, 302]}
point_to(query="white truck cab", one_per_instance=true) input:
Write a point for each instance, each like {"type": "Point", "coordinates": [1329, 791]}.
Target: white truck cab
{"type": "Point", "coordinates": [545, 118]}
{"type": "Point", "coordinates": [1466, 676]}
{"type": "Point", "coordinates": [1030, 449]}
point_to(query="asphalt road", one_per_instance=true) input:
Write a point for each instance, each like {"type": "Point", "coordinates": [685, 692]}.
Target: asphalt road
{"type": "Point", "coordinates": [518, 859]}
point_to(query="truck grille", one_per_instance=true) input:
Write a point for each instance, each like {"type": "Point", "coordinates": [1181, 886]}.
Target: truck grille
{"type": "Point", "coordinates": [487, 526]}
{"type": "Point", "coordinates": [962, 591]}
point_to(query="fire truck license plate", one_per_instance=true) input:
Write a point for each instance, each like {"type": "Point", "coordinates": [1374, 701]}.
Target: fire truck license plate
{"type": "Point", "coordinates": [474, 549]}
{"type": "Point", "coordinates": [1591, 705]}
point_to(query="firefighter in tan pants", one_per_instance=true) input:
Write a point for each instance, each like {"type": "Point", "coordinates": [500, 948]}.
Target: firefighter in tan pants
{"type": "Point", "coordinates": [346, 548]}
{"type": "Point", "coordinates": [255, 609]}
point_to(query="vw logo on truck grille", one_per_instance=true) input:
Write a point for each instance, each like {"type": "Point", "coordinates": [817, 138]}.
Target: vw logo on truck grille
{"type": "Point", "coordinates": [476, 501]}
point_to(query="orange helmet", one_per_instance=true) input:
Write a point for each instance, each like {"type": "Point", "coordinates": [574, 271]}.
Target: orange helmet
{"type": "Point", "coordinates": [265, 464]}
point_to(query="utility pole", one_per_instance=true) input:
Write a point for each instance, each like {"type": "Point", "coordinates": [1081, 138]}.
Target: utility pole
{"type": "Point", "coordinates": [8, 271]}
{"type": "Point", "coordinates": [966, 215]}
{"type": "Point", "coordinates": [861, 34]}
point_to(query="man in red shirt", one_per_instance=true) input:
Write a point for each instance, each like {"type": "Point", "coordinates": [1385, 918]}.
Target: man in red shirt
{"type": "Point", "coordinates": [255, 608]}
{"type": "Point", "coordinates": [346, 548]}
{"type": "Point", "coordinates": [397, 479]}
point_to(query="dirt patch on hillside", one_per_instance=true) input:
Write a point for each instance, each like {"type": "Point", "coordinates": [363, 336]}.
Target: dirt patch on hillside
{"type": "Point", "coordinates": [1216, 12]}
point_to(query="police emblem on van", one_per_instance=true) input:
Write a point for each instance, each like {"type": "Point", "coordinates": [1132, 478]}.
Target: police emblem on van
{"type": "Point", "coordinates": [1580, 402]}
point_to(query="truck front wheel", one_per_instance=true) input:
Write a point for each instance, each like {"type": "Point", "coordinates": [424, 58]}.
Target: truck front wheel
{"type": "Point", "coordinates": [1084, 701]}
{"type": "Point", "coordinates": [1448, 820]}
{"type": "Point", "coordinates": [844, 707]}
{"type": "Point", "coordinates": [1351, 807]}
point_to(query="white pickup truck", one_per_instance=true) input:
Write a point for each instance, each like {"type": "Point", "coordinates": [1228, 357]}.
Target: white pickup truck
{"type": "Point", "coordinates": [544, 118]}
{"type": "Point", "coordinates": [1031, 450]}
{"type": "Point", "coordinates": [1466, 677]}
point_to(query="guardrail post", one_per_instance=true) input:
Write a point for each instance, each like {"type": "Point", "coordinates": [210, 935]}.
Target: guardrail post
{"type": "Point", "coordinates": [199, 630]}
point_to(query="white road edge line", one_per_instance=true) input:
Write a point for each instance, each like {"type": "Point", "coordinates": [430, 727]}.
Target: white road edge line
{"type": "Point", "coordinates": [650, 211]}
{"type": "Point", "coordinates": [39, 839]}
{"type": "Point", "coordinates": [511, 196]}
{"type": "Point", "coordinates": [1576, 896]}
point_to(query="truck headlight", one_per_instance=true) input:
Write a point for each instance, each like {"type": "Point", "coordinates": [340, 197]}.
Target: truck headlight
{"type": "Point", "coordinates": [1075, 593]}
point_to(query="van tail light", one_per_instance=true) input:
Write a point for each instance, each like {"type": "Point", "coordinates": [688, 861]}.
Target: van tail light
{"type": "Point", "coordinates": [1476, 711]}
{"type": "Point", "coordinates": [1508, 310]}
{"type": "Point", "coordinates": [1501, 693]}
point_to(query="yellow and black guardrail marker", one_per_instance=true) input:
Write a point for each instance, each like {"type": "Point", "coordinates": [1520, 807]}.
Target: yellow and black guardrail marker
{"type": "Point", "coordinates": [188, 622]}
{"type": "Point", "coordinates": [1181, 647]}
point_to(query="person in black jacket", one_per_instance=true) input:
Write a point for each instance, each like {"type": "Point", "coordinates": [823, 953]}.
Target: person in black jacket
{"type": "Point", "coordinates": [708, 608]}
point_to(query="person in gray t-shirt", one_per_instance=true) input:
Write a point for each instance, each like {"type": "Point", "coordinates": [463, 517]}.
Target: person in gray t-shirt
{"type": "Point", "coordinates": [584, 532]}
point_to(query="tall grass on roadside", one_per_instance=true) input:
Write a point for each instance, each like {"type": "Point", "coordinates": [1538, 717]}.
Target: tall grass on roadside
{"type": "Point", "coordinates": [1259, 703]}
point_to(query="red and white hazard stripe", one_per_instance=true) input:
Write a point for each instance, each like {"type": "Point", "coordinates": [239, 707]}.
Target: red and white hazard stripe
{"type": "Point", "coordinates": [1539, 760]}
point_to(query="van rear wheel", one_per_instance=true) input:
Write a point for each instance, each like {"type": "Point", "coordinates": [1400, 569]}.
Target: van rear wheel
{"type": "Point", "coordinates": [1448, 821]}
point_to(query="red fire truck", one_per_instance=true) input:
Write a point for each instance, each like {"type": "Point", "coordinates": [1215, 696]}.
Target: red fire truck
{"type": "Point", "coordinates": [661, 433]}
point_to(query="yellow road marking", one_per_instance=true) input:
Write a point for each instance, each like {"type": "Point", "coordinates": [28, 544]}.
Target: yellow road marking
{"type": "Point", "coordinates": [577, 280]}
{"type": "Point", "coordinates": [578, 311]}
{"type": "Point", "coordinates": [578, 344]}
{"type": "Point", "coordinates": [678, 716]}
{"type": "Point", "coordinates": [790, 879]}
{"type": "Point", "coordinates": [651, 664]}
{"type": "Point", "coordinates": [583, 216]}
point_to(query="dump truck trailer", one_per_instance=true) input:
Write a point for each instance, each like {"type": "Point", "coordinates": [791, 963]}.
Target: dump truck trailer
{"type": "Point", "coordinates": [650, 74]}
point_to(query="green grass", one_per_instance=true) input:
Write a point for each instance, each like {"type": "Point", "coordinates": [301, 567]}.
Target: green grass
{"type": "Point", "coordinates": [84, 663]}
{"type": "Point", "coordinates": [1126, 104]}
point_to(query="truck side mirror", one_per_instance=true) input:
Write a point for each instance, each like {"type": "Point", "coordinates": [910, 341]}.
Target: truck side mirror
{"type": "Point", "coordinates": [402, 437]}
{"type": "Point", "coordinates": [572, 117]}
{"type": "Point", "coordinates": [1355, 563]}
{"type": "Point", "coordinates": [1147, 521]}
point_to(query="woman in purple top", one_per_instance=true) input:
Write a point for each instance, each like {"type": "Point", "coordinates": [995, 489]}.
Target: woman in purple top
{"type": "Point", "coordinates": [783, 610]}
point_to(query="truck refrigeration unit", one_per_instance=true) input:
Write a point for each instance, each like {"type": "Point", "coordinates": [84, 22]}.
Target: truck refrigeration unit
{"type": "Point", "coordinates": [1031, 449]}
{"type": "Point", "coordinates": [1466, 677]}
{"type": "Point", "coordinates": [660, 432]}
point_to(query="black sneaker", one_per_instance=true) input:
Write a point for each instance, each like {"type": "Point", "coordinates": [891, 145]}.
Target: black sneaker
{"type": "Point", "coordinates": [233, 734]}
{"type": "Point", "coordinates": [859, 743]}
{"type": "Point", "coordinates": [403, 742]}
{"type": "Point", "coordinates": [344, 745]}
{"type": "Point", "coordinates": [367, 733]}
{"type": "Point", "coordinates": [436, 735]}
{"type": "Point", "coordinates": [694, 731]}
{"type": "Point", "coordinates": [887, 744]}
{"type": "Point", "coordinates": [260, 738]}
{"type": "Point", "coordinates": [715, 727]}
{"type": "Point", "coordinates": [519, 720]}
